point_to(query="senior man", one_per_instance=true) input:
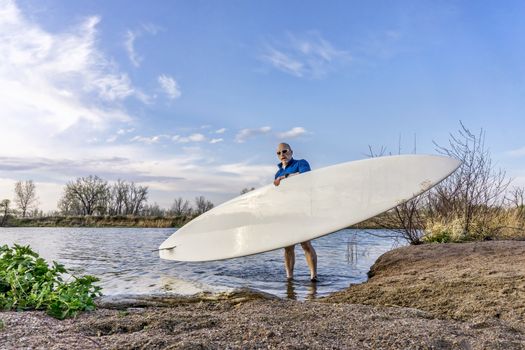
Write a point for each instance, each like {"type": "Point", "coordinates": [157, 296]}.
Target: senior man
{"type": "Point", "coordinates": [288, 166]}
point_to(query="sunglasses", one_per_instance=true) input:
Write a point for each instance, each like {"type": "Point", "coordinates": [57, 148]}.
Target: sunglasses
{"type": "Point", "coordinates": [284, 151]}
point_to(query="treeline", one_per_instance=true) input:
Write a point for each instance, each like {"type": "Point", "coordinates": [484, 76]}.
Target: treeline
{"type": "Point", "coordinates": [92, 196]}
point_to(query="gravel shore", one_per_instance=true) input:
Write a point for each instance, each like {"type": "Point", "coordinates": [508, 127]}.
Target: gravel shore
{"type": "Point", "coordinates": [448, 296]}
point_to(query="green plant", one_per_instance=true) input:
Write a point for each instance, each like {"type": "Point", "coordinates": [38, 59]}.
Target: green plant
{"type": "Point", "coordinates": [28, 282]}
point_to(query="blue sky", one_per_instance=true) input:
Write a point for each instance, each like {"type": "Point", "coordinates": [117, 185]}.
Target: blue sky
{"type": "Point", "coordinates": [192, 97]}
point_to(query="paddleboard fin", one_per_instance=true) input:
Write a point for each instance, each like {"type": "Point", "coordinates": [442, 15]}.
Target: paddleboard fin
{"type": "Point", "coordinates": [159, 249]}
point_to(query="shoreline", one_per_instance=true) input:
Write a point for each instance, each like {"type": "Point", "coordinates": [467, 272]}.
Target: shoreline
{"type": "Point", "coordinates": [469, 295]}
{"type": "Point", "coordinates": [132, 221]}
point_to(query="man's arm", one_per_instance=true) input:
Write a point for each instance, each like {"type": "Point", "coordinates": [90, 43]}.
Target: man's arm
{"type": "Point", "coordinates": [303, 168]}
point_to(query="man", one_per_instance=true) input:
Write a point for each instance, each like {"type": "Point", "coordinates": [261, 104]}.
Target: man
{"type": "Point", "coordinates": [291, 167]}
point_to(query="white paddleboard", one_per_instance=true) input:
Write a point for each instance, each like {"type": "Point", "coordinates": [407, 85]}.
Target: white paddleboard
{"type": "Point", "coordinates": [305, 207]}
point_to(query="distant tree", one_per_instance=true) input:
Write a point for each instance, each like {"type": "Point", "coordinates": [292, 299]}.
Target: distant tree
{"type": "Point", "coordinates": [25, 196]}
{"type": "Point", "coordinates": [202, 205]}
{"type": "Point", "coordinates": [136, 198]}
{"type": "Point", "coordinates": [246, 190]}
{"type": "Point", "coordinates": [5, 211]}
{"type": "Point", "coordinates": [180, 207]}
{"type": "Point", "coordinates": [126, 198]}
{"type": "Point", "coordinates": [119, 193]}
{"type": "Point", "coordinates": [85, 196]}
{"type": "Point", "coordinates": [152, 210]}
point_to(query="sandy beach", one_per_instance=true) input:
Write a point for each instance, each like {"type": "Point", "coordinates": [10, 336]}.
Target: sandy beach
{"type": "Point", "coordinates": [439, 296]}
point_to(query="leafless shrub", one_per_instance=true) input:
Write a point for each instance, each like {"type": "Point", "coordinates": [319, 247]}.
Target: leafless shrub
{"type": "Point", "coordinates": [406, 219]}
{"type": "Point", "coordinates": [466, 205]}
{"type": "Point", "coordinates": [475, 190]}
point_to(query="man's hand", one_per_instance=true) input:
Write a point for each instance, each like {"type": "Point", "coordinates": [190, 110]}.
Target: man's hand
{"type": "Point", "coordinates": [277, 181]}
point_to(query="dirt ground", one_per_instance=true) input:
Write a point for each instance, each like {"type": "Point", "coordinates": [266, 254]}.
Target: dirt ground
{"type": "Point", "coordinates": [446, 296]}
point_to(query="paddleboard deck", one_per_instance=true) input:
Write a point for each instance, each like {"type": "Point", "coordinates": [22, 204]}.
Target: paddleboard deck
{"type": "Point", "coordinates": [306, 206]}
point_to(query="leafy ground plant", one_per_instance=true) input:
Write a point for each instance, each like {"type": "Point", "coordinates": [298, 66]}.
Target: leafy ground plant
{"type": "Point", "coordinates": [27, 282]}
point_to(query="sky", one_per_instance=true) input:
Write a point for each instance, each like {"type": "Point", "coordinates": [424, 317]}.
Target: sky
{"type": "Point", "coordinates": [191, 98]}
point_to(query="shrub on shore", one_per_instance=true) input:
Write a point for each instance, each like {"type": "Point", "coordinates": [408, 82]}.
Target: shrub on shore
{"type": "Point", "coordinates": [499, 223]}
{"type": "Point", "coordinates": [27, 282]}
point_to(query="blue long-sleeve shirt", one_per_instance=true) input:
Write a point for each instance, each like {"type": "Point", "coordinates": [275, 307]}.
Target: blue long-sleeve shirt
{"type": "Point", "coordinates": [293, 166]}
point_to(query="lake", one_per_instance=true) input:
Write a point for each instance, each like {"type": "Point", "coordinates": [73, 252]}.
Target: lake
{"type": "Point", "coordinates": [126, 261]}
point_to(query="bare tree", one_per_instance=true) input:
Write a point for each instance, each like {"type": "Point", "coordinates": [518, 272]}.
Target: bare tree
{"type": "Point", "coordinates": [126, 198]}
{"type": "Point", "coordinates": [180, 207]}
{"type": "Point", "coordinates": [25, 196]}
{"type": "Point", "coordinates": [5, 211]}
{"type": "Point", "coordinates": [119, 193]}
{"type": "Point", "coordinates": [516, 197]}
{"type": "Point", "coordinates": [202, 205]}
{"type": "Point", "coordinates": [85, 196]}
{"type": "Point", "coordinates": [152, 210]}
{"type": "Point", "coordinates": [136, 198]}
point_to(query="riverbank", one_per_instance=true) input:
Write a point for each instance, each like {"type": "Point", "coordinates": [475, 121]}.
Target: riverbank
{"type": "Point", "coordinates": [100, 221]}
{"type": "Point", "coordinates": [466, 296]}
{"type": "Point", "coordinates": [128, 221]}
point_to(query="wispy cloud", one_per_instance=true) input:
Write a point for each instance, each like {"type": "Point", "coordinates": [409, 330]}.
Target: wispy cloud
{"type": "Point", "coordinates": [305, 56]}
{"type": "Point", "coordinates": [292, 133]}
{"type": "Point", "coordinates": [245, 134]}
{"type": "Point", "coordinates": [169, 86]}
{"type": "Point", "coordinates": [56, 84]}
{"type": "Point", "coordinates": [132, 35]}
{"type": "Point", "coordinates": [212, 141]}
{"type": "Point", "coordinates": [284, 62]}
{"type": "Point", "coordinates": [220, 131]}
{"type": "Point", "coordinates": [129, 44]}
{"type": "Point", "coordinates": [519, 152]}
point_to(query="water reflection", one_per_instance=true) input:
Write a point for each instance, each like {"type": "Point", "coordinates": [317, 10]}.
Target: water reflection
{"type": "Point", "coordinates": [126, 261]}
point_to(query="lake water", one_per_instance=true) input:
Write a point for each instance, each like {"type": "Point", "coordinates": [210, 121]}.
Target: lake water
{"type": "Point", "coordinates": [126, 261]}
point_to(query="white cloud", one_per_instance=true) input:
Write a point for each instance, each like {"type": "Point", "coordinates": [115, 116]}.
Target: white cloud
{"type": "Point", "coordinates": [191, 138]}
{"type": "Point", "coordinates": [293, 133]}
{"type": "Point", "coordinates": [62, 98]}
{"type": "Point", "coordinates": [125, 131]}
{"type": "Point", "coordinates": [244, 134]}
{"type": "Point", "coordinates": [129, 44]}
{"type": "Point", "coordinates": [169, 86]}
{"type": "Point", "coordinates": [220, 131]}
{"type": "Point", "coordinates": [308, 55]}
{"type": "Point", "coordinates": [149, 140]}
{"type": "Point", "coordinates": [115, 136]}
{"type": "Point", "coordinates": [56, 86]}
{"type": "Point", "coordinates": [212, 141]}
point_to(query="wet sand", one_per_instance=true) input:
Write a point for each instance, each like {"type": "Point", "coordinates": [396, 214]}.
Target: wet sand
{"type": "Point", "coordinates": [447, 296]}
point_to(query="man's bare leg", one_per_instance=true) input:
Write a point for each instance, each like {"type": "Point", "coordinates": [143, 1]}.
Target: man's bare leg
{"type": "Point", "coordinates": [311, 259]}
{"type": "Point", "coordinates": [289, 260]}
